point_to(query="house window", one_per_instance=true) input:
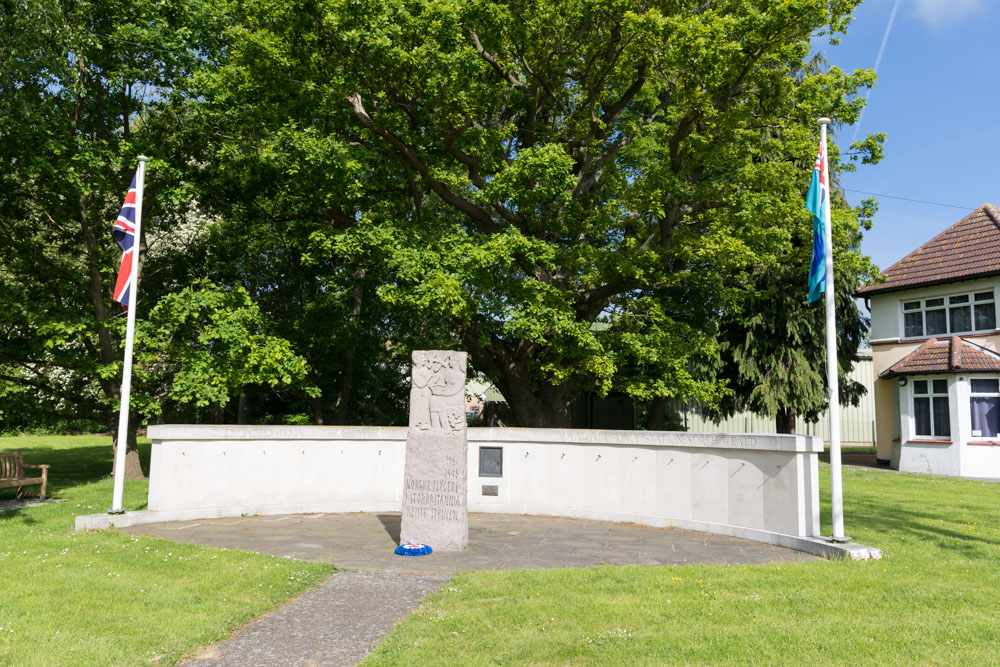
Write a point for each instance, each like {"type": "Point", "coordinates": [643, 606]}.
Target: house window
{"type": "Point", "coordinates": [962, 313]}
{"type": "Point", "coordinates": [930, 408]}
{"type": "Point", "coordinates": [984, 403]}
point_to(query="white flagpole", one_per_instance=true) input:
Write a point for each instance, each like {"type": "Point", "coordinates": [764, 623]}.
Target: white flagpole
{"type": "Point", "coordinates": [833, 378]}
{"type": "Point", "coordinates": [116, 504]}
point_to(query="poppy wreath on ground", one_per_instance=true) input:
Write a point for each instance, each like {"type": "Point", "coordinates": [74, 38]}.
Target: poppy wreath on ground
{"type": "Point", "coordinates": [413, 549]}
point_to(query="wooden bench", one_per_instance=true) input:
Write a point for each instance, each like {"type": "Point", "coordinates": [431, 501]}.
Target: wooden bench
{"type": "Point", "coordinates": [12, 467]}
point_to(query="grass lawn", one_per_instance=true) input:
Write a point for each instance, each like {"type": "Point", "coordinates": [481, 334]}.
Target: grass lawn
{"type": "Point", "coordinates": [934, 598]}
{"type": "Point", "coordinates": [106, 598]}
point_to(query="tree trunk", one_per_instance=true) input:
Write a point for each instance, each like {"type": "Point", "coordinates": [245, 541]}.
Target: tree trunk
{"type": "Point", "coordinates": [548, 406]}
{"type": "Point", "coordinates": [218, 414]}
{"type": "Point", "coordinates": [133, 468]}
{"type": "Point", "coordinates": [344, 390]}
{"type": "Point", "coordinates": [784, 421]}
{"type": "Point", "coordinates": [316, 403]}
{"type": "Point", "coordinates": [243, 410]}
{"type": "Point", "coordinates": [347, 376]}
{"type": "Point", "coordinates": [656, 420]}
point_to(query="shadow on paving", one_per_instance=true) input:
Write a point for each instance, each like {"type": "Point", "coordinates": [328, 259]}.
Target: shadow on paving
{"type": "Point", "coordinates": [392, 524]}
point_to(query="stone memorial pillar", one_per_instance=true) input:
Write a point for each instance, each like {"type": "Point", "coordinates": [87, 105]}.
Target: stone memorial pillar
{"type": "Point", "coordinates": [435, 486]}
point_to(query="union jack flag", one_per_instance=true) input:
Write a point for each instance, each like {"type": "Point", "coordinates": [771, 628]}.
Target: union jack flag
{"type": "Point", "coordinates": [124, 233]}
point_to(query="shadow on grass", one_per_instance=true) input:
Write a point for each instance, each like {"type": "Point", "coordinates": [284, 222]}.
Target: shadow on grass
{"type": "Point", "coordinates": [70, 466]}
{"type": "Point", "coordinates": [910, 519]}
{"type": "Point", "coordinates": [16, 511]}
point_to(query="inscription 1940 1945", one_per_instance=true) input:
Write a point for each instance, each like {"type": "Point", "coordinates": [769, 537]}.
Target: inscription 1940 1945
{"type": "Point", "coordinates": [435, 488]}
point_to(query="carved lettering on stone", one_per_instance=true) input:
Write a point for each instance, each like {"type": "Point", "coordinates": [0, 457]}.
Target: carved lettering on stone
{"type": "Point", "coordinates": [435, 487]}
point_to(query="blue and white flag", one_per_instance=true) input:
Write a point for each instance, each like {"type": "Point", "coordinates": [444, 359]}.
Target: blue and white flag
{"type": "Point", "coordinates": [816, 202]}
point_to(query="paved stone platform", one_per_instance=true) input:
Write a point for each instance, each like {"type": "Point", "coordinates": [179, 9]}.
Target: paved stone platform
{"type": "Point", "coordinates": [364, 542]}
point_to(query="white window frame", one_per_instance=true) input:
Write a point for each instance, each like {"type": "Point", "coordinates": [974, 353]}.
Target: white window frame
{"type": "Point", "coordinates": [931, 395]}
{"type": "Point", "coordinates": [947, 307]}
{"type": "Point", "coordinates": [981, 394]}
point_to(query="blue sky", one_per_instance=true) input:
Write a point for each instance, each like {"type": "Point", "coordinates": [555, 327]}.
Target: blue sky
{"type": "Point", "coordinates": [936, 102]}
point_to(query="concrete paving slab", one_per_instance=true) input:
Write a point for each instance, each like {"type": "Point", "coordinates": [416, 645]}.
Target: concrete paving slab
{"type": "Point", "coordinates": [364, 542]}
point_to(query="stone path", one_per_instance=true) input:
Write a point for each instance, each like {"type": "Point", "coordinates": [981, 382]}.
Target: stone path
{"type": "Point", "coordinates": [337, 623]}
{"type": "Point", "coordinates": [342, 620]}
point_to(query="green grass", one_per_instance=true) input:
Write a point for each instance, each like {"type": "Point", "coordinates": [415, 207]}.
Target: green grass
{"type": "Point", "coordinates": [106, 598]}
{"type": "Point", "coordinates": [933, 599]}
{"type": "Point", "coordinates": [109, 598]}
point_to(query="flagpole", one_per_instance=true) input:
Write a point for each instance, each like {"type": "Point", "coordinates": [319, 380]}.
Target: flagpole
{"type": "Point", "coordinates": [833, 377]}
{"type": "Point", "coordinates": [119, 469]}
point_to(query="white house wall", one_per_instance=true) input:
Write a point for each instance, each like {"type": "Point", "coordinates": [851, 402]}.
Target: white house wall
{"type": "Point", "coordinates": [926, 455]}
{"type": "Point", "coordinates": [885, 319]}
{"type": "Point", "coordinates": [896, 440]}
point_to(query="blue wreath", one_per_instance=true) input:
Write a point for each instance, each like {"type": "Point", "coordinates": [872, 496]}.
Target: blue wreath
{"type": "Point", "coordinates": [412, 549]}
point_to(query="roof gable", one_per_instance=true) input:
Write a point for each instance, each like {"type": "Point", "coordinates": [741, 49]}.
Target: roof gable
{"type": "Point", "coordinates": [968, 249]}
{"type": "Point", "coordinates": [948, 355]}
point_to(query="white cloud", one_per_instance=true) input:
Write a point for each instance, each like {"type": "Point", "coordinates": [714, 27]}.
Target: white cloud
{"type": "Point", "coordinates": [938, 13]}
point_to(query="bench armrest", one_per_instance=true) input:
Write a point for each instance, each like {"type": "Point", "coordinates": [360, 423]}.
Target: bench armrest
{"type": "Point", "coordinates": [44, 466]}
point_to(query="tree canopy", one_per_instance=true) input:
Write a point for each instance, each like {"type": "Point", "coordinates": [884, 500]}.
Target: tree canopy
{"type": "Point", "coordinates": [84, 88]}
{"type": "Point", "coordinates": [577, 189]}
{"type": "Point", "coordinates": [586, 195]}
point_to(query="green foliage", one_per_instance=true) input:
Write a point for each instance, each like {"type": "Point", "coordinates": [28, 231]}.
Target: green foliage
{"type": "Point", "coordinates": [78, 96]}
{"type": "Point", "coordinates": [203, 344]}
{"type": "Point", "coordinates": [576, 189]}
{"type": "Point", "coordinates": [773, 343]}
{"type": "Point", "coordinates": [576, 192]}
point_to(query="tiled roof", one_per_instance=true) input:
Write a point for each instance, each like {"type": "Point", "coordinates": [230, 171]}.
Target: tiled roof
{"type": "Point", "coordinates": [968, 249]}
{"type": "Point", "coordinates": [949, 355]}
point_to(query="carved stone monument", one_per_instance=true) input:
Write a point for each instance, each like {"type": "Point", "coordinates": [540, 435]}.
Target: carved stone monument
{"type": "Point", "coordinates": [435, 487]}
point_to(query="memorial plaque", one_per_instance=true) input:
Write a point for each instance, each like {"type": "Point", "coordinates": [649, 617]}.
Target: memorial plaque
{"type": "Point", "coordinates": [435, 480]}
{"type": "Point", "coordinates": [491, 461]}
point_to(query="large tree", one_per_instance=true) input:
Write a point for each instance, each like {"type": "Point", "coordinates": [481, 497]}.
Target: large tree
{"type": "Point", "coordinates": [80, 84]}
{"type": "Point", "coordinates": [577, 188]}
{"type": "Point", "coordinates": [773, 344]}
{"type": "Point", "coordinates": [315, 272]}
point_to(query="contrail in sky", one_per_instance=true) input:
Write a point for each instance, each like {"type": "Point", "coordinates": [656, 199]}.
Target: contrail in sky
{"type": "Point", "coordinates": [878, 61]}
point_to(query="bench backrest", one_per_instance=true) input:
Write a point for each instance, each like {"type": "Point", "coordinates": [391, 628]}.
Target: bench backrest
{"type": "Point", "coordinates": [11, 465]}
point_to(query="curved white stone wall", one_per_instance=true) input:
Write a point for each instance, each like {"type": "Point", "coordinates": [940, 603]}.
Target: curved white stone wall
{"type": "Point", "coordinates": [762, 487]}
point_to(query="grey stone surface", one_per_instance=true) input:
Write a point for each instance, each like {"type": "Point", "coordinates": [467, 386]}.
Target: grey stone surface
{"type": "Point", "coordinates": [337, 623]}
{"type": "Point", "coordinates": [435, 509]}
{"type": "Point", "coordinates": [365, 543]}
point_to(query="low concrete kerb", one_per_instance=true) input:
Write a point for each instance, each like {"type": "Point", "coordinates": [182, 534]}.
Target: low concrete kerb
{"type": "Point", "coordinates": [816, 546]}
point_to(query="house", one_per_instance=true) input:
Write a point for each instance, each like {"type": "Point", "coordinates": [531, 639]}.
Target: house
{"type": "Point", "coordinates": [935, 345]}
